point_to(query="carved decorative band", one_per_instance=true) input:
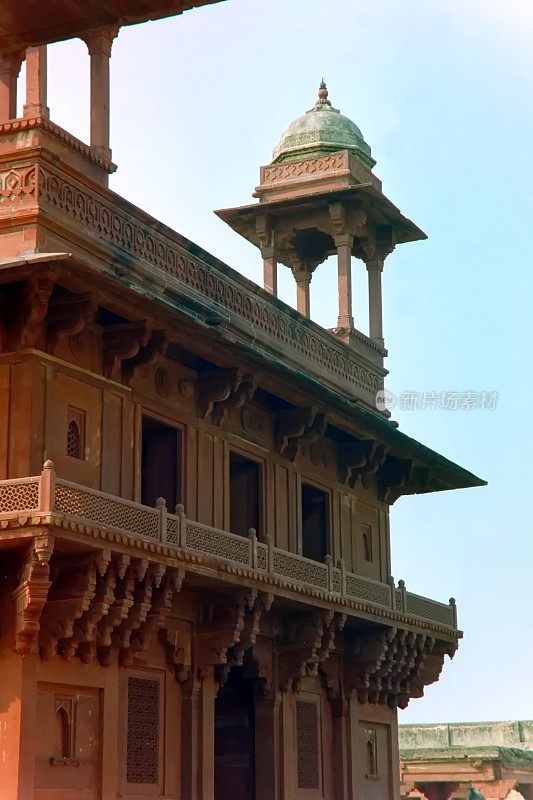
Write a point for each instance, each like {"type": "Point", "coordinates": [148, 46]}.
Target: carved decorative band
{"type": "Point", "coordinates": [310, 166]}
{"type": "Point", "coordinates": [113, 226]}
{"type": "Point", "coordinates": [17, 186]}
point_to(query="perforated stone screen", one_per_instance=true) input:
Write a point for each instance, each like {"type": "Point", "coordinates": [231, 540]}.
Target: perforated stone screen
{"type": "Point", "coordinates": [142, 756]}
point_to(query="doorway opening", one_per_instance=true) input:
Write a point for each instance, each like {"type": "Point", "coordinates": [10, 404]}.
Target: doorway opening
{"type": "Point", "coordinates": [235, 739]}
{"type": "Point", "coordinates": [160, 463]}
{"type": "Point", "coordinates": [315, 523]}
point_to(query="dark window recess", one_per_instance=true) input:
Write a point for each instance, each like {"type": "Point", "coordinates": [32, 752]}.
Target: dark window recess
{"type": "Point", "coordinates": [244, 494]}
{"type": "Point", "coordinates": [160, 463]}
{"type": "Point", "coordinates": [315, 523]}
{"type": "Point", "coordinates": [367, 542]}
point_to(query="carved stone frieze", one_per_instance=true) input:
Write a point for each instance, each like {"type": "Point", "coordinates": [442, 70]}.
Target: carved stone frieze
{"type": "Point", "coordinates": [298, 426]}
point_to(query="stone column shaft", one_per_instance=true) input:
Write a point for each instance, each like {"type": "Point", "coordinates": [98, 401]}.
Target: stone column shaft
{"type": "Point", "coordinates": [344, 244]}
{"type": "Point", "coordinates": [375, 314]}
{"type": "Point", "coordinates": [9, 70]}
{"type": "Point", "coordinates": [303, 301]}
{"type": "Point", "coordinates": [99, 44]}
{"type": "Point", "coordinates": [36, 83]}
{"type": "Point", "coordinates": [270, 270]}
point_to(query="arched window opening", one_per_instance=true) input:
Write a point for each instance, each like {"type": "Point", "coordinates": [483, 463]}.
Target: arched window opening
{"type": "Point", "coordinates": [371, 754]}
{"type": "Point", "coordinates": [367, 543]}
{"type": "Point", "coordinates": [63, 732]}
{"type": "Point", "coordinates": [73, 440]}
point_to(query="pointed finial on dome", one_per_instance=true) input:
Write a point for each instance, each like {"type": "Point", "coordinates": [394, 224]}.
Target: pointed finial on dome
{"type": "Point", "coordinates": [323, 94]}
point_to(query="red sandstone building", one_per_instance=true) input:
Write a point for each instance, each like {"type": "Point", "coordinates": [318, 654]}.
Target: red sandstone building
{"type": "Point", "coordinates": [196, 594]}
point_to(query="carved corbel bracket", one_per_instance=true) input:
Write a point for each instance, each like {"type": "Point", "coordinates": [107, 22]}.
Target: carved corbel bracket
{"type": "Point", "coordinates": [68, 316]}
{"type": "Point", "coordinates": [265, 232]}
{"type": "Point", "coordinates": [30, 595]}
{"type": "Point", "coordinates": [31, 310]}
{"type": "Point", "coordinates": [258, 604]}
{"type": "Point", "coordinates": [264, 668]}
{"type": "Point", "coordinates": [299, 647]}
{"type": "Point", "coordinates": [120, 343]}
{"type": "Point", "coordinates": [216, 387]}
{"type": "Point", "coordinates": [397, 477]}
{"type": "Point", "coordinates": [392, 477]}
{"type": "Point", "coordinates": [237, 398]}
{"type": "Point", "coordinates": [360, 459]}
{"type": "Point", "coordinates": [363, 658]}
{"type": "Point", "coordinates": [147, 355]}
{"type": "Point", "coordinates": [220, 629]}
{"type": "Point", "coordinates": [178, 651]}
{"type": "Point", "coordinates": [70, 597]}
{"type": "Point", "coordinates": [296, 426]}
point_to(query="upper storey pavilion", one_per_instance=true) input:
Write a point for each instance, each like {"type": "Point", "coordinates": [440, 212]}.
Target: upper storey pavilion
{"type": "Point", "coordinates": [318, 198]}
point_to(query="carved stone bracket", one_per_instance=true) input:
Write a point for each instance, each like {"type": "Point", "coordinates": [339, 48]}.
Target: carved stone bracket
{"type": "Point", "coordinates": [392, 666]}
{"type": "Point", "coordinates": [68, 316]}
{"type": "Point", "coordinates": [73, 588]}
{"type": "Point", "coordinates": [257, 604]}
{"type": "Point", "coordinates": [219, 630]}
{"type": "Point", "coordinates": [148, 354]}
{"type": "Point", "coordinates": [399, 477]}
{"type": "Point", "coordinates": [360, 459]}
{"type": "Point", "coordinates": [264, 668]}
{"type": "Point", "coordinates": [30, 595]}
{"type": "Point", "coordinates": [31, 310]}
{"type": "Point", "coordinates": [299, 647]}
{"type": "Point", "coordinates": [221, 390]}
{"type": "Point", "coordinates": [120, 343]}
{"type": "Point", "coordinates": [296, 426]}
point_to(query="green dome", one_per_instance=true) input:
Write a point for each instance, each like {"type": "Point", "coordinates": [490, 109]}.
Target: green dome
{"type": "Point", "coordinates": [322, 129]}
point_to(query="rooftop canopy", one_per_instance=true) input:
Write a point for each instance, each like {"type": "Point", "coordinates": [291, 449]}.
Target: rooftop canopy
{"type": "Point", "coordinates": [321, 130]}
{"type": "Point", "coordinates": [25, 23]}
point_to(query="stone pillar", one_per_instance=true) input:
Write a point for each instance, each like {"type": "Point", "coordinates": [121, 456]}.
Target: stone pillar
{"type": "Point", "coordinates": [340, 714]}
{"type": "Point", "coordinates": [9, 70]}
{"type": "Point", "coordinates": [270, 270]}
{"type": "Point", "coordinates": [375, 309]}
{"type": "Point", "coordinates": [189, 738]}
{"type": "Point", "coordinates": [344, 244]}
{"type": "Point", "coordinates": [99, 44]}
{"type": "Point", "coordinates": [206, 732]}
{"type": "Point", "coordinates": [267, 747]}
{"type": "Point", "coordinates": [303, 302]}
{"type": "Point", "coordinates": [36, 83]}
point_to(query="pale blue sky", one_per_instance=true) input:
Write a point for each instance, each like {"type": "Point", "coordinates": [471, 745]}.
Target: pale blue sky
{"type": "Point", "coordinates": [442, 92]}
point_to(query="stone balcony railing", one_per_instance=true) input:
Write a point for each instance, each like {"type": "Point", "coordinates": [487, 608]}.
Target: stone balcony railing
{"type": "Point", "coordinates": [25, 498]}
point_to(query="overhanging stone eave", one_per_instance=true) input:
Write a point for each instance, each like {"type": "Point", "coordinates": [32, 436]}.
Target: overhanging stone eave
{"type": "Point", "coordinates": [242, 218]}
{"type": "Point", "coordinates": [349, 415]}
{"type": "Point", "coordinates": [21, 27]}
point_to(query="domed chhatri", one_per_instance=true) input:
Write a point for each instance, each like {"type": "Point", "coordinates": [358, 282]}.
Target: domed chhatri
{"type": "Point", "coordinates": [321, 130]}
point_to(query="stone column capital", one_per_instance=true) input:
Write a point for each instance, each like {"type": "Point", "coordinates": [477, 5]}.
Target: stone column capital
{"type": "Point", "coordinates": [302, 276]}
{"type": "Point", "coordinates": [375, 264]}
{"type": "Point", "coordinates": [343, 240]}
{"type": "Point", "coordinates": [100, 40]}
{"type": "Point", "coordinates": [11, 62]}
